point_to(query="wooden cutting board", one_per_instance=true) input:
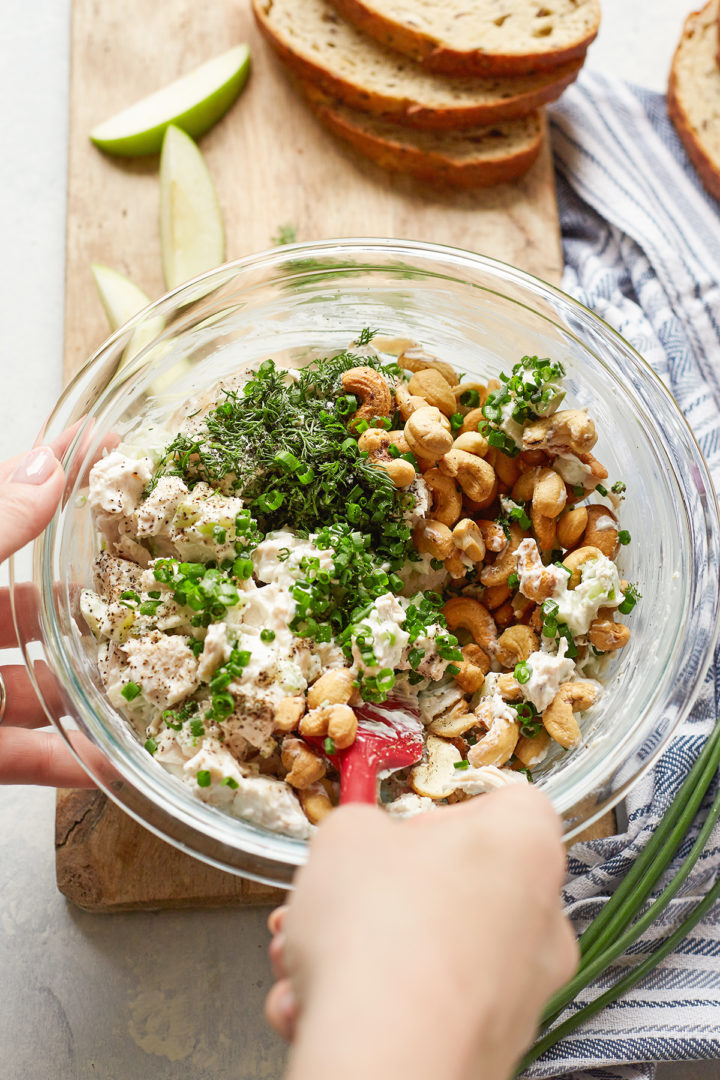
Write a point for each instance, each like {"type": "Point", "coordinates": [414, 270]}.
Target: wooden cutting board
{"type": "Point", "coordinates": [272, 166]}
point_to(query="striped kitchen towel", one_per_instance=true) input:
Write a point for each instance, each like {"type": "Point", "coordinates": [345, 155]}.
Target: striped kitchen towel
{"type": "Point", "coordinates": [642, 248]}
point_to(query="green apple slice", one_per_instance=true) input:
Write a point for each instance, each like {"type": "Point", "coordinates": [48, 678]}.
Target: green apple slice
{"type": "Point", "coordinates": [121, 299]}
{"type": "Point", "coordinates": [195, 102]}
{"type": "Point", "coordinates": [192, 236]}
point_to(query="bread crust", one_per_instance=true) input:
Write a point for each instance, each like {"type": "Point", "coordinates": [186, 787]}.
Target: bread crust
{"type": "Point", "coordinates": [407, 110]}
{"type": "Point", "coordinates": [707, 168]}
{"type": "Point", "coordinates": [440, 58]}
{"type": "Point", "coordinates": [694, 149]}
{"type": "Point", "coordinates": [394, 155]}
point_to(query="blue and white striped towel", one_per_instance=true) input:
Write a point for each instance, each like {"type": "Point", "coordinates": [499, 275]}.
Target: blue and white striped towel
{"type": "Point", "coordinates": [642, 249]}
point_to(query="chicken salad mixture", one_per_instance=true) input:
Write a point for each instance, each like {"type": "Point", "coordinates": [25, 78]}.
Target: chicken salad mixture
{"type": "Point", "coordinates": [367, 529]}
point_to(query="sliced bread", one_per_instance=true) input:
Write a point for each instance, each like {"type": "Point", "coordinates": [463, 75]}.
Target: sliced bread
{"type": "Point", "coordinates": [321, 47]}
{"type": "Point", "coordinates": [693, 95]}
{"type": "Point", "coordinates": [478, 37]}
{"type": "Point", "coordinates": [476, 157]}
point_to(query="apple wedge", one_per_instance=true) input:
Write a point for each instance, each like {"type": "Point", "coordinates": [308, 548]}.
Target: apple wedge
{"type": "Point", "coordinates": [194, 103]}
{"type": "Point", "coordinates": [192, 236]}
{"type": "Point", "coordinates": [121, 299]}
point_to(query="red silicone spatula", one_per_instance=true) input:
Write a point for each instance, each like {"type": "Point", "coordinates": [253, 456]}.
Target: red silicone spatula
{"type": "Point", "coordinates": [389, 736]}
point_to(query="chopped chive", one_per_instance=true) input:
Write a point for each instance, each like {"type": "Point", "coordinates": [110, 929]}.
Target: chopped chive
{"type": "Point", "coordinates": [230, 782]}
{"type": "Point", "coordinates": [203, 777]}
{"type": "Point", "coordinates": [130, 691]}
{"type": "Point", "coordinates": [523, 671]}
{"type": "Point", "coordinates": [151, 746]}
{"type": "Point", "coordinates": [461, 764]}
{"type": "Point", "coordinates": [601, 490]}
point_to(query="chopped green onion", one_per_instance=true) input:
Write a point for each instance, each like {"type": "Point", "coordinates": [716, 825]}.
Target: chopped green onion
{"type": "Point", "coordinates": [456, 421]}
{"type": "Point", "coordinates": [329, 746]}
{"type": "Point", "coordinates": [130, 691]}
{"type": "Point", "coordinates": [578, 491]}
{"type": "Point", "coordinates": [513, 581]}
{"type": "Point", "coordinates": [601, 490]}
{"type": "Point", "coordinates": [618, 487]}
{"type": "Point", "coordinates": [230, 782]}
{"type": "Point", "coordinates": [461, 764]}
{"type": "Point", "coordinates": [470, 399]}
{"type": "Point", "coordinates": [523, 671]}
{"type": "Point", "coordinates": [151, 746]}
{"type": "Point", "coordinates": [203, 777]}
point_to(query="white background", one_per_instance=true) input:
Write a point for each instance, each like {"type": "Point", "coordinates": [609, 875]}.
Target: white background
{"type": "Point", "coordinates": [172, 995]}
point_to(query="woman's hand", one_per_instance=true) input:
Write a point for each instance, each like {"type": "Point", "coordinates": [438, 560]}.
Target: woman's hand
{"type": "Point", "coordinates": [423, 948]}
{"type": "Point", "coordinates": [30, 489]}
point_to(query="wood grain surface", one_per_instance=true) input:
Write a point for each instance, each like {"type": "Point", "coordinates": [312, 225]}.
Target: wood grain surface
{"type": "Point", "coordinates": [272, 165]}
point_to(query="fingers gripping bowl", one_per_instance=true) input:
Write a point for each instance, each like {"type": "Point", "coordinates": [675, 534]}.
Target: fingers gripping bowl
{"type": "Point", "coordinates": [481, 317]}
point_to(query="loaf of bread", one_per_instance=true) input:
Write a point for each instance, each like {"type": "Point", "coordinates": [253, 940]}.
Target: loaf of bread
{"type": "Point", "coordinates": [475, 157]}
{"type": "Point", "coordinates": [321, 47]}
{"type": "Point", "coordinates": [478, 37]}
{"type": "Point", "coordinates": [693, 96]}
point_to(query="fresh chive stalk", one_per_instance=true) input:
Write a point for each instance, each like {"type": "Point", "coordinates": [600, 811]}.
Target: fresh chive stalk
{"type": "Point", "coordinates": [613, 930]}
{"type": "Point", "coordinates": [626, 983]}
{"type": "Point", "coordinates": [591, 969]}
{"type": "Point", "coordinates": [650, 864]}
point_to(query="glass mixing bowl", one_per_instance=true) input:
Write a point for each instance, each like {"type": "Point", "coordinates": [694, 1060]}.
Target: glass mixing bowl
{"type": "Point", "coordinates": [480, 315]}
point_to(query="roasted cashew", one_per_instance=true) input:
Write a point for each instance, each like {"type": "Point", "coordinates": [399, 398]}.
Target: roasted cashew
{"type": "Point", "coordinates": [473, 442]}
{"type": "Point", "coordinates": [507, 468]}
{"type": "Point", "coordinates": [431, 385]}
{"type": "Point", "coordinates": [545, 487]}
{"type": "Point", "coordinates": [406, 402]}
{"type": "Point", "coordinates": [515, 644]}
{"type": "Point", "coordinates": [504, 615]}
{"type": "Point", "coordinates": [571, 525]}
{"type": "Point", "coordinates": [607, 635]}
{"type": "Point", "coordinates": [434, 777]}
{"type": "Point", "coordinates": [416, 359]}
{"type": "Point", "coordinates": [288, 712]}
{"type": "Point", "coordinates": [506, 562]}
{"type": "Point", "coordinates": [375, 443]}
{"type": "Point", "coordinates": [304, 765]}
{"type": "Point", "coordinates": [570, 429]}
{"type": "Point", "coordinates": [530, 750]}
{"type": "Point", "coordinates": [316, 802]}
{"type": "Point", "coordinates": [496, 595]}
{"type": "Point", "coordinates": [471, 615]}
{"type": "Point", "coordinates": [335, 687]}
{"type": "Point", "coordinates": [426, 435]}
{"type": "Point", "coordinates": [495, 748]}
{"type": "Point", "coordinates": [469, 539]}
{"type": "Point", "coordinates": [602, 530]}
{"type": "Point", "coordinates": [544, 528]}
{"type": "Point", "coordinates": [558, 718]}
{"type": "Point", "coordinates": [537, 582]}
{"type": "Point", "coordinates": [471, 423]}
{"type": "Point", "coordinates": [447, 500]}
{"type": "Point", "coordinates": [473, 669]}
{"type": "Point", "coordinates": [492, 534]}
{"type": "Point", "coordinates": [453, 725]}
{"type": "Point", "coordinates": [456, 565]}
{"type": "Point", "coordinates": [474, 475]}
{"type": "Point", "coordinates": [576, 559]}
{"type": "Point", "coordinates": [508, 687]}
{"type": "Point", "coordinates": [373, 391]}
{"type": "Point", "coordinates": [431, 537]}
{"type": "Point", "coordinates": [529, 458]}
{"type": "Point", "coordinates": [338, 722]}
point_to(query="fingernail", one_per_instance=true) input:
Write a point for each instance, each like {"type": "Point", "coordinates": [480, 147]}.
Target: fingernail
{"type": "Point", "coordinates": [36, 467]}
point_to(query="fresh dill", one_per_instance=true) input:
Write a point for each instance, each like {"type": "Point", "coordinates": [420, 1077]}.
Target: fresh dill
{"type": "Point", "coordinates": [282, 444]}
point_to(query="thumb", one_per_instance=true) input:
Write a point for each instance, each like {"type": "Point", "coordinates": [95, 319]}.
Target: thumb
{"type": "Point", "coordinates": [28, 498]}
